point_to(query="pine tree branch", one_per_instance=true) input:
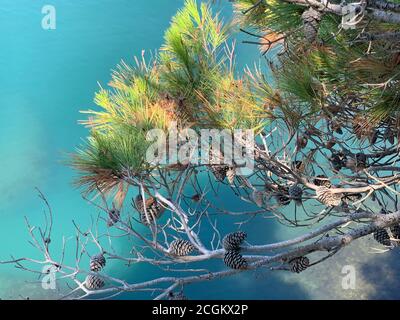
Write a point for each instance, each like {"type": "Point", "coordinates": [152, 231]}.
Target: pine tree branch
{"type": "Point", "coordinates": [376, 11]}
{"type": "Point", "coordinates": [384, 16]}
{"type": "Point", "coordinates": [384, 5]}
{"type": "Point", "coordinates": [320, 6]}
{"type": "Point", "coordinates": [387, 36]}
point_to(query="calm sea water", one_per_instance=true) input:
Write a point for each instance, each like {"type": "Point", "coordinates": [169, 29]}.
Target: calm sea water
{"type": "Point", "coordinates": [46, 77]}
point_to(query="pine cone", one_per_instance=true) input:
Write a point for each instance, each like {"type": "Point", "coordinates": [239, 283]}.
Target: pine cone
{"type": "Point", "coordinates": [382, 237]}
{"type": "Point", "coordinates": [94, 282]}
{"type": "Point", "coordinates": [322, 181]}
{"type": "Point", "coordinates": [97, 262]}
{"type": "Point", "coordinates": [325, 196]}
{"type": "Point", "coordinates": [295, 192]}
{"type": "Point", "coordinates": [154, 209]}
{"type": "Point", "coordinates": [299, 264]}
{"type": "Point", "coordinates": [181, 247]}
{"type": "Point", "coordinates": [232, 241]}
{"type": "Point", "coordinates": [311, 19]}
{"type": "Point", "coordinates": [235, 260]}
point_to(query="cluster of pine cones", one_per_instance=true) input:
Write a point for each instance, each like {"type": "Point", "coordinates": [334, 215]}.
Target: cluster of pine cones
{"type": "Point", "coordinates": [97, 263]}
{"type": "Point", "coordinates": [149, 209]}
{"type": "Point", "coordinates": [231, 243]}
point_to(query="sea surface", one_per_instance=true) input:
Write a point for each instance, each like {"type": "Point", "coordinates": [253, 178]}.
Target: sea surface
{"type": "Point", "coordinates": [46, 77]}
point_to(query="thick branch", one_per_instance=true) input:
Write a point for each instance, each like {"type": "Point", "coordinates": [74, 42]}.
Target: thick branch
{"type": "Point", "coordinates": [384, 5]}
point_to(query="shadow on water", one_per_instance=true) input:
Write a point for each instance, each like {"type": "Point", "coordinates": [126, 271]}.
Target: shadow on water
{"type": "Point", "coordinates": [376, 276]}
{"type": "Point", "coordinates": [248, 285]}
{"type": "Point", "coordinates": [259, 284]}
{"type": "Point", "coordinates": [383, 273]}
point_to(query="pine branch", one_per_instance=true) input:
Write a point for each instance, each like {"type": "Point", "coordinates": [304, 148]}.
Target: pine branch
{"type": "Point", "coordinates": [384, 15]}
{"type": "Point", "coordinates": [384, 5]}
{"type": "Point", "coordinates": [386, 36]}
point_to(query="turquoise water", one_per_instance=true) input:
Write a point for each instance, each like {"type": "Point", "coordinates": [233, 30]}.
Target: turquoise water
{"type": "Point", "coordinates": [46, 77]}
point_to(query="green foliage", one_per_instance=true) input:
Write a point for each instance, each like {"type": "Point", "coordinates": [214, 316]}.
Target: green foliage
{"type": "Point", "coordinates": [190, 53]}
{"type": "Point", "coordinates": [388, 102]}
{"type": "Point", "coordinates": [298, 81]}
{"type": "Point", "coordinates": [275, 15]}
{"type": "Point", "coordinates": [105, 155]}
{"type": "Point", "coordinates": [190, 81]}
{"type": "Point", "coordinates": [131, 99]}
{"type": "Point", "coordinates": [338, 65]}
